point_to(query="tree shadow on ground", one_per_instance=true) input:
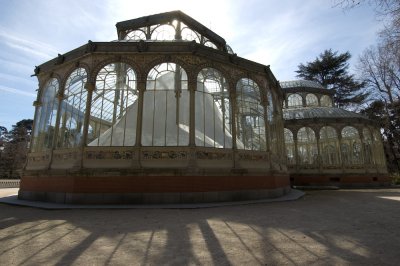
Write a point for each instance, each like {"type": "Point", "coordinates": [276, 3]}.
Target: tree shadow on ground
{"type": "Point", "coordinates": [330, 227]}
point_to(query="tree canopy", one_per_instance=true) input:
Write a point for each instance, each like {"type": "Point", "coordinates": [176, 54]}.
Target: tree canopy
{"type": "Point", "coordinates": [330, 69]}
{"type": "Point", "coordinates": [14, 147]}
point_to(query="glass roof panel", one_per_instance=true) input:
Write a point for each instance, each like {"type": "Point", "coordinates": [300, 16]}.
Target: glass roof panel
{"type": "Point", "coordinates": [319, 112]}
{"type": "Point", "coordinates": [300, 84]}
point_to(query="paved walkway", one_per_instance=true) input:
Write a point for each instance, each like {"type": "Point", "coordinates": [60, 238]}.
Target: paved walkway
{"type": "Point", "coordinates": [358, 227]}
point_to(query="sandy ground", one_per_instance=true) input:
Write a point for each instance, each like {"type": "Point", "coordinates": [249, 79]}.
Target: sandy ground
{"type": "Point", "coordinates": [339, 227]}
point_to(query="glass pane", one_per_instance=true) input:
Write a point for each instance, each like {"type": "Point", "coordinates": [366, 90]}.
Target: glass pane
{"type": "Point", "coordinates": [307, 146]}
{"type": "Point", "coordinates": [166, 107]}
{"type": "Point", "coordinates": [295, 100]}
{"type": "Point", "coordinates": [249, 117]}
{"type": "Point", "coordinates": [311, 100]}
{"type": "Point", "coordinates": [213, 111]}
{"type": "Point", "coordinates": [113, 111]}
{"type": "Point", "coordinates": [46, 118]}
{"type": "Point", "coordinates": [163, 33]}
{"type": "Point", "coordinates": [329, 144]}
{"type": "Point", "coordinates": [326, 101]}
{"type": "Point", "coordinates": [136, 35]}
{"type": "Point", "coordinates": [352, 146]}
{"type": "Point", "coordinates": [290, 147]}
{"type": "Point", "coordinates": [73, 109]}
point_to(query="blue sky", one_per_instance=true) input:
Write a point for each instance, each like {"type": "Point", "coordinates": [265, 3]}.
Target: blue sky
{"type": "Point", "coordinates": [280, 33]}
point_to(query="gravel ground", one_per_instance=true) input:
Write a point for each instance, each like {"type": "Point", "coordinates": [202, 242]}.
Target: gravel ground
{"type": "Point", "coordinates": [334, 227]}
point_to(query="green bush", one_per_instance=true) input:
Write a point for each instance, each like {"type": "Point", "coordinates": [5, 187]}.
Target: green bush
{"type": "Point", "coordinates": [396, 179]}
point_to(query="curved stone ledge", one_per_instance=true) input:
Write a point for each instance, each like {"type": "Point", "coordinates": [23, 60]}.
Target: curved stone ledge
{"type": "Point", "coordinates": [152, 198]}
{"type": "Point", "coordinates": [341, 179]}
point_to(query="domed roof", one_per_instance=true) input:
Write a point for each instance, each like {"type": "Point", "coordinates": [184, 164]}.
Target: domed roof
{"type": "Point", "coordinates": [294, 86]}
{"type": "Point", "coordinates": [319, 112]}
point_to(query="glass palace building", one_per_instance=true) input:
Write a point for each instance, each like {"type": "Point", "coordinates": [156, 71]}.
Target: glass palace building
{"type": "Point", "coordinates": [169, 114]}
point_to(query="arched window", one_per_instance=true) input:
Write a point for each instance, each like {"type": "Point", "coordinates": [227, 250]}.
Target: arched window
{"type": "Point", "coordinates": [46, 117]}
{"type": "Point", "coordinates": [367, 146]}
{"type": "Point", "coordinates": [163, 32]}
{"type": "Point", "coordinates": [250, 116]}
{"type": "Point", "coordinates": [295, 100]}
{"type": "Point", "coordinates": [113, 111]}
{"type": "Point", "coordinates": [351, 146]}
{"type": "Point", "coordinates": [188, 34]}
{"type": "Point", "coordinates": [273, 127]}
{"type": "Point", "coordinates": [213, 110]}
{"type": "Point", "coordinates": [326, 101]}
{"type": "Point", "coordinates": [378, 151]}
{"type": "Point", "coordinates": [311, 100]}
{"type": "Point", "coordinates": [329, 144]}
{"type": "Point", "coordinates": [307, 150]}
{"type": "Point", "coordinates": [166, 107]}
{"type": "Point", "coordinates": [290, 147]}
{"type": "Point", "coordinates": [210, 44]}
{"type": "Point", "coordinates": [136, 35]}
{"type": "Point", "coordinates": [73, 107]}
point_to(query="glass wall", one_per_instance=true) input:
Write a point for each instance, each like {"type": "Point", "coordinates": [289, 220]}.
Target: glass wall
{"type": "Point", "coordinates": [72, 111]}
{"type": "Point", "coordinates": [250, 116]}
{"type": "Point", "coordinates": [295, 100]}
{"type": "Point", "coordinates": [46, 115]}
{"type": "Point", "coordinates": [213, 110]}
{"type": "Point", "coordinates": [367, 146]}
{"type": "Point", "coordinates": [351, 146]}
{"type": "Point", "coordinates": [378, 154]}
{"type": "Point", "coordinates": [166, 107]}
{"type": "Point", "coordinates": [290, 147]}
{"type": "Point", "coordinates": [326, 101]}
{"type": "Point", "coordinates": [311, 100]}
{"type": "Point", "coordinates": [307, 150]}
{"type": "Point", "coordinates": [113, 111]}
{"type": "Point", "coordinates": [329, 146]}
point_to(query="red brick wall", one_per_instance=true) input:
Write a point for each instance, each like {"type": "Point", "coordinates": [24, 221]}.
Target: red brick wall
{"type": "Point", "coordinates": [151, 184]}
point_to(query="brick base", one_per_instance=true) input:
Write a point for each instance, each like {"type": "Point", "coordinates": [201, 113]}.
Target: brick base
{"type": "Point", "coordinates": [151, 189]}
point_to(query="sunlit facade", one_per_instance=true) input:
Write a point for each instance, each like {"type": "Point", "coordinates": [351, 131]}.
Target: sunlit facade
{"type": "Point", "coordinates": [165, 114]}
{"type": "Point", "coordinates": [328, 145]}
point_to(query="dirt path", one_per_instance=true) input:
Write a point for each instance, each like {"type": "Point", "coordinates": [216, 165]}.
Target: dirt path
{"type": "Point", "coordinates": [325, 227]}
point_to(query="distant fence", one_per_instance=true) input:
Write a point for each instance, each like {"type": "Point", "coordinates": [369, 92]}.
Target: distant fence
{"type": "Point", "coordinates": [9, 183]}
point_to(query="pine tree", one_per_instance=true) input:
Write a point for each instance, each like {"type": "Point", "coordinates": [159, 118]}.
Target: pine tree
{"type": "Point", "coordinates": [330, 69]}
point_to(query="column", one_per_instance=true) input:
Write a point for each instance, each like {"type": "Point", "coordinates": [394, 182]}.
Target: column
{"type": "Point", "coordinates": [340, 151]}
{"type": "Point", "coordinates": [319, 157]}
{"type": "Point", "coordinates": [192, 83]}
{"type": "Point", "coordinates": [234, 111]}
{"type": "Point", "coordinates": [362, 149]}
{"type": "Point", "coordinates": [90, 87]}
{"type": "Point", "coordinates": [60, 97]}
{"type": "Point", "coordinates": [192, 86]}
{"type": "Point", "coordinates": [37, 105]}
{"type": "Point", "coordinates": [296, 151]}
{"type": "Point", "coordinates": [141, 86]}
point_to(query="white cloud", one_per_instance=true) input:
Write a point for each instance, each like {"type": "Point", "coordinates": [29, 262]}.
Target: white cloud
{"type": "Point", "coordinates": [27, 46]}
{"type": "Point", "coordinates": [17, 79]}
{"type": "Point", "coordinates": [17, 91]}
